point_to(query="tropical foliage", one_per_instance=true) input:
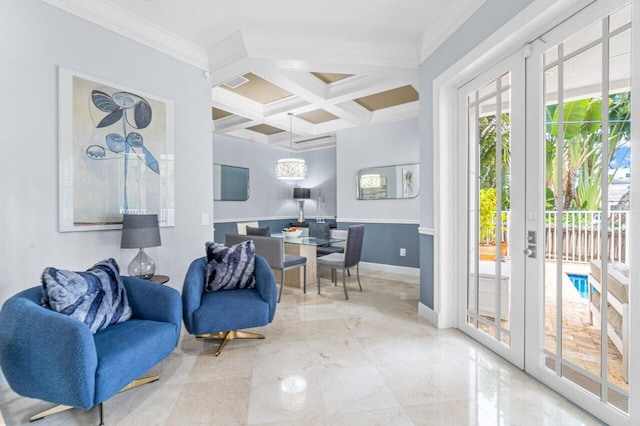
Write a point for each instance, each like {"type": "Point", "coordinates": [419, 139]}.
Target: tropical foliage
{"type": "Point", "coordinates": [582, 149]}
{"type": "Point", "coordinates": [582, 161]}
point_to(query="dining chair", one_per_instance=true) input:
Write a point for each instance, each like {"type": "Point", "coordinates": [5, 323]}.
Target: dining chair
{"type": "Point", "coordinates": [334, 247]}
{"type": "Point", "coordinates": [262, 232]}
{"type": "Point", "coordinates": [272, 249]}
{"type": "Point", "coordinates": [242, 226]}
{"type": "Point", "coordinates": [350, 258]}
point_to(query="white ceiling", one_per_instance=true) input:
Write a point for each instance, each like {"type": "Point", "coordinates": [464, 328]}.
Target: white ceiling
{"type": "Point", "coordinates": [380, 42]}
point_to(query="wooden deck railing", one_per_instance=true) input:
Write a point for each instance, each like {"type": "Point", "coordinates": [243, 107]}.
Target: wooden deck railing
{"type": "Point", "coordinates": [581, 235]}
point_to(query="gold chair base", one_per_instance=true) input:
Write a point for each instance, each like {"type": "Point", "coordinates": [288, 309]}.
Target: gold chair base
{"type": "Point", "coordinates": [229, 335]}
{"type": "Point", "coordinates": [60, 408]}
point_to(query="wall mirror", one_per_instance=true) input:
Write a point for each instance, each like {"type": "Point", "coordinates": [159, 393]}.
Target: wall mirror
{"type": "Point", "coordinates": [388, 182]}
{"type": "Point", "coordinates": [230, 183]}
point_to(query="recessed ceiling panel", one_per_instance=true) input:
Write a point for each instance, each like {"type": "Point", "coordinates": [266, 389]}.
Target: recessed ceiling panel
{"type": "Point", "coordinates": [389, 98]}
{"type": "Point", "coordinates": [217, 113]}
{"type": "Point", "coordinates": [265, 129]}
{"type": "Point", "coordinates": [329, 78]}
{"type": "Point", "coordinates": [317, 116]}
{"type": "Point", "coordinates": [258, 89]}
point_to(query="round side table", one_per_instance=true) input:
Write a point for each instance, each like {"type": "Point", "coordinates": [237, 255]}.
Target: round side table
{"type": "Point", "coordinates": [160, 279]}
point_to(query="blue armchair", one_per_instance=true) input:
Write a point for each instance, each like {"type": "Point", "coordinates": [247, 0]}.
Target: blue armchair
{"type": "Point", "coordinates": [55, 358]}
{"type": "Point", "coordinates": [220, 314]}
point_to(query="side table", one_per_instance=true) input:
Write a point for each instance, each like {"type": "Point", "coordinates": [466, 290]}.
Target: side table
{"type": "Point", "coordinates": [160, 279]}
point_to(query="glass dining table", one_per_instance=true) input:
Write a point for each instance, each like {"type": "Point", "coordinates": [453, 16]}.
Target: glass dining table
{"type": "Point", "coordinates": [304, 246]}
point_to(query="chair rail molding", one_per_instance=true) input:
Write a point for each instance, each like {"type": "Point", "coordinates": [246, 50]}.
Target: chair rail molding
{"type": "Point", "coordinates": [391, 221]}
{"type": "Point", "coordinates": [256, 218]}
{"type": "Point", "coordinates": [426, 231]}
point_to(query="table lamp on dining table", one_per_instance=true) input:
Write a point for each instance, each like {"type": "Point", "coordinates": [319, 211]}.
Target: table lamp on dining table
{"type": "Point", "coordinates": [141, 231]}
{"type": "Point", "coordinates": [301, 194]}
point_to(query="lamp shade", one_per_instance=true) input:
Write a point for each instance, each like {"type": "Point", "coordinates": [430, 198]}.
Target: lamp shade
{"type": "Point", "coordinates": [304, 193]}
{"type": "Point", "coordinates": [140, 231]}
{"type": "Point", "coordinates": [291, 169]}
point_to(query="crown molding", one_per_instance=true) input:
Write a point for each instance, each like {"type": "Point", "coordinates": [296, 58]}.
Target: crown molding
{"type": "Point", "coordinates": [443, 31]}
{"type": "Point", "coordinates": [116, 19]}
{"type": "Point", "coordinates": [314, 52]}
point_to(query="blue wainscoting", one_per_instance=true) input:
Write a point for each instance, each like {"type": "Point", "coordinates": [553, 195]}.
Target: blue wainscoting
{"type": "Point", "coordinates": [223, 228]}
{"type": "Point", "coordinates": [383, 241]}
{"type": "Point", "coordinates": [426, 271]}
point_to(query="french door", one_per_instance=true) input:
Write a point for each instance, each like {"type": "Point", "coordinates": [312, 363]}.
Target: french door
{"type": "Point", "coordinates": [491, 303]}
{"type": "Point", "coordinates": [578, 202]}
{"type": "Point", "coordinates": [554, 179]}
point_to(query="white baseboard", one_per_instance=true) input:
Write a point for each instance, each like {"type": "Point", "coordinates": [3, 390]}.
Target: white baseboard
{"type": "Point", "coordinates": [406, 270]}
{"type": "Point", "coordinates": [427, 313]}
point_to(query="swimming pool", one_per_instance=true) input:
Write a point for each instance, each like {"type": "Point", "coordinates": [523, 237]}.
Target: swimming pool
{"type": "Point", "coordinates": [581, 283]}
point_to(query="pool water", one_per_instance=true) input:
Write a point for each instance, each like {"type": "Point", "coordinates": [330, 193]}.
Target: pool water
{"type": "Point", "coordinates": [581, 283]}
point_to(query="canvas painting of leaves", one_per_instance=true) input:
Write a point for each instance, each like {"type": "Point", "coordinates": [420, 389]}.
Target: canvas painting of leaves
{"type": "Point", "coordinates": [116, 154]}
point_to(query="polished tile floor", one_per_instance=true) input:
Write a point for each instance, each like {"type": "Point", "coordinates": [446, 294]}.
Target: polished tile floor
{"type": "Point", "coordinates": [326, 361]}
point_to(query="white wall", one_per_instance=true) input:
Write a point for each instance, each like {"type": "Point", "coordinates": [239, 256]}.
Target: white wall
{"type": "Point", "coordinates": [380, 145]}
{"type": "Point", "coordinates": [36, 40]}
{"type": "Point", "coordinates": [269, 197]}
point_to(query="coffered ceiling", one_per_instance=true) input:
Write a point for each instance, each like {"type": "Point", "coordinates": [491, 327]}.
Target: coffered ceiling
{"type": "Point", "coordinates": [334, 64]}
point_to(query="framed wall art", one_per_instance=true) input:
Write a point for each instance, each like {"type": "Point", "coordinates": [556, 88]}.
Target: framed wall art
{"type": "Point", "coordinates": [116, 154]}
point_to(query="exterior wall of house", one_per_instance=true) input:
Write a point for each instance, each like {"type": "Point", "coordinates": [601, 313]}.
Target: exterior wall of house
{"type": "Point", "coordinates": [37, 39]}
{"type": "Point", "coordinates": [492, 15]}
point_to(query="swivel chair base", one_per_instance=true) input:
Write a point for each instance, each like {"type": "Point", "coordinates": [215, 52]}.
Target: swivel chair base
{"type": "Point", "coordinates": [61, 408]}
{"type": "Point", "coordinates": [229, 335]}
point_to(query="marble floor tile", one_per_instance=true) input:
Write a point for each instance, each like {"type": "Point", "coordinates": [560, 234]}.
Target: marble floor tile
{"type": "Point", "coordinates": [369, 360]}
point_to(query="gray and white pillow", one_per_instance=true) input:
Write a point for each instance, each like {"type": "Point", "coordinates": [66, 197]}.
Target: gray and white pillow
{"type": "Point", "coordinates": [96, 297]}
{"type": "Point", "coordinates": [230, 268]}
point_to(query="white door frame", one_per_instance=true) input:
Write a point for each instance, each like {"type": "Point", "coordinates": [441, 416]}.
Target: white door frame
{"type": "Point", "coordinates": [534, 359]}
{"type": "Point", "coordinates": [536, 19]}
{"type": "Point", "coordinates": [515, 351]}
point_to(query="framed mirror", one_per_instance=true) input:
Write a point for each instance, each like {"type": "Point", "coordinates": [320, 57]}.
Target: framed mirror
{"type": "Point", "coordinates": [230, 183]}
{"type": "Point", "coordinates": [388, 182]}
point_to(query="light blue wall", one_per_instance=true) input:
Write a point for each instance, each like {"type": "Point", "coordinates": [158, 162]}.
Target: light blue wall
{"type": "Point", "coordinates": [37, 39]}
{"type": "Point", "coordinates": [379, 145]}
{"type": "Point", "coordinates": [490, 17]}
{"type": "Point", "coordinates": [389, 224]}
{"type": "Point", "coordinates": [270, 198]}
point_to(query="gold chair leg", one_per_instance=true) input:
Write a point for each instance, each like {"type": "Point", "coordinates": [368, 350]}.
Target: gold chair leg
{"type": "Point", "coordinates": [229, 335]}
{"type": "Point", "coordinates": [54, 410]}
{"type": "Point", "coordinates": [60, 408]}
{"type": "Point", "coordinates": [139, 382]}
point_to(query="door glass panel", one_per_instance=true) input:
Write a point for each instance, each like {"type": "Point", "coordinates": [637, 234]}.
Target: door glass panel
{"type": "Point", "coordinates": [587, 183]}
{"type": "Point", "coordinates": [489, 282]}
{"type": "Point", "coordinates": [583, 38]}
{"type": "Point", "coordinates": [620, 18]}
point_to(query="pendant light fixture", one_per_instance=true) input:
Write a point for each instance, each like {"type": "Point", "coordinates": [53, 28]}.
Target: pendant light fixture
{"type": "Point", "coordinates": [291, 168]}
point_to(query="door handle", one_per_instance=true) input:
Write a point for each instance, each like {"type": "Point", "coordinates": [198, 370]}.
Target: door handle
{"type": "Point", "coordinates": [530, 252]}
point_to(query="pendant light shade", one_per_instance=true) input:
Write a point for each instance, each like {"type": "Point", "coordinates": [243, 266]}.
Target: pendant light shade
{"type": "Point", "coordinates": [291, 168]}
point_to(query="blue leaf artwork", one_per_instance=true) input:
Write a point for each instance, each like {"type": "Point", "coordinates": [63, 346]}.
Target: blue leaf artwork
{"type": "Point", "coordinates": [117, 107]}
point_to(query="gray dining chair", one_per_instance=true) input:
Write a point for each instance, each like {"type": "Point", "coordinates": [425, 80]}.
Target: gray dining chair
{"type": "Point", "coordinates": [350, 258]}
{"type": "Point", "coordinates": [272, 249]}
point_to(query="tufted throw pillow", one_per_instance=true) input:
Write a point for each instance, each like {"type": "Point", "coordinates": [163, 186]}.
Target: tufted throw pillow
{"type": "Point", "coordinates": [230, 268]}
{"type": "Point", "coordinates": [260, 232]}
{"type": "Point", "coordinates": [96, 297]}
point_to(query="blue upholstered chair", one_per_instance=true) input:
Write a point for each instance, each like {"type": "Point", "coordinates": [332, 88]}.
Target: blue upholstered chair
{"type": "Point", "coordinates": [221, 314]}
{"type": "Point", "coordinates": [55, 358]}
